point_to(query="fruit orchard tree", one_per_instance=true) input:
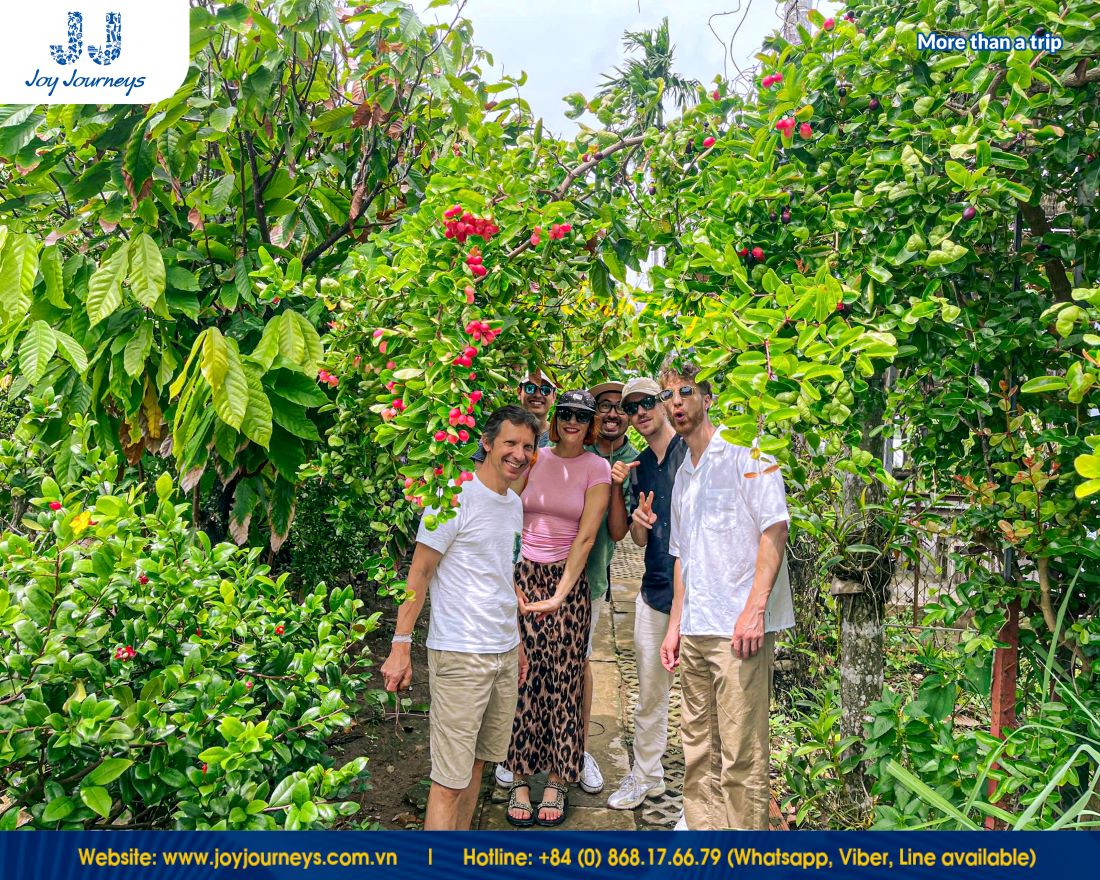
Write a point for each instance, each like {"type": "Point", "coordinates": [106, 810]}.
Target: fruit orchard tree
{"type": "Point", "coordinates": [168, 270]}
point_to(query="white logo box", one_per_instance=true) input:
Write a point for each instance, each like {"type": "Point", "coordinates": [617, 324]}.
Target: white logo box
{"type": "Point", "coordinates": [93, 51]}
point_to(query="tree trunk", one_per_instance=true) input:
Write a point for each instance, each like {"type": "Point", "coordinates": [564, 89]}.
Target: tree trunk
{"type": "Point", "coordinates": [862, 654]}
{"type": "Point", "coordinates": [862, 618]}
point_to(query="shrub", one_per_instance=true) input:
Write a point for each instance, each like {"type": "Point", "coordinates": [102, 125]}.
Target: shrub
{"type": "Point", "coordinates": [154, 680]}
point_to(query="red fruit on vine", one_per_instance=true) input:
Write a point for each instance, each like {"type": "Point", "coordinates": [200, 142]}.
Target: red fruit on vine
{"type": "Point", "coordinates": [805, 131]}
{"type": "Point", "coordinates": [473, 376]}
{"type": "Point", "coordinates": [465, 476]}
{"type": "Point", "coordinates": [390, 365]}
{"type": "Point", "coordinates": [391, 385]}
{"type": "Point", "coordinates": [378, 333]}
{"type": "Point", "coordinates": [758, 254]}
{"type": "Point", "coordinates": [535, 239]}
{"type": "Point", "coordinates": [409, 482]}
{"type": "Point", "coordinates": [248, 685]}
{"type": "Point", "coordinates": [439, 471]}
{"type": "Point", "coordinates": [465, 361]}
{"type": "Point", "coordinates": [828, 24]}
{"type": "Point", "coordinates": [382, 346]}
{"type": "Point", "coordinates": [471, 422]}
{"type": "Point", "coordinates": [744, 252]}
{"type": "Point", "coordinates": [708, 142]}
{"type": "Point", "coordinates": [469, 296]}
{"type": "Point", "coordinates": [475, 396]}
{"type": "Point", "coordinates": [479, 270]}
{"type": "Point", "coordinates": [439, 436]}
{"type": "Point", "coordinates": [398, 404]}
{"type": "Point", "coordinates": [451, 438]}
{"type": "Point", "coordinates": [356, 361]}
{"type": "Point", "coordinates": [470, 351]}
{"type": "Point", "coordinates": [969, 213]}
{"type": "Point", "coordinates": [143, 579]}
{"type": "Point", "coordinates": [716, 95]}
{"type": "Point", "coordinates": [198, 631]}
{"type": "Point", "coordinates": [279, 630]}
{"type": "Point", "coordinates": [55, 505]}
{"type": "Point", "coordinates": [204, 769]}
{"type": "Point", "coordinates": [463, 435]}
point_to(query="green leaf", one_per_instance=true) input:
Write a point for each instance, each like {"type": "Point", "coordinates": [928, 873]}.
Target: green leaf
{"type": "Point", "coordinates": [256, 424]}
{"type": "Point", "coordinates": [231, 728]}
{"type": "Point", "coordinates": [147, 276]}
{"type": "Point", "coordinates": [222, 118]}
{"type": "Point", "coordinates": [58, 809]}
{"type": "Point", "coordinates": [1087, 488]}
{"type": "Point", "coordinates": [293, 418]}
{"type": "Point", "coordinates": [1088, 466]}
{"type": "Point", "coordinates": [164, 486]}
{"type": "Point", "coordinates": [105, 287]}
{"type": "Point", "coordinates": [214, 361]}
{"type": "Point", "coordinates": [108, 771]}
{"type": "Point", "coordinates": [231, 395]}
{"type": "Point", "coordinates": [97, 800]}
{"type": "Point", "coordinates": [1042, 384]}
{"type": "Point", "coordinates": [297, 388]}
{"type": "Point", "coordinates": [17, 272]}
{"type": "Point", "coordinates": [53, 275]}
{"type": "Point", "coordinates": [38, 347]}
{"type": "Point", "coordinates": [137, 350]}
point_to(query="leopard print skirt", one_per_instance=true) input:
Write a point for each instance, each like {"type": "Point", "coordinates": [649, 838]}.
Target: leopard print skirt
{"type": "Point", "coordinates": [548, 733]}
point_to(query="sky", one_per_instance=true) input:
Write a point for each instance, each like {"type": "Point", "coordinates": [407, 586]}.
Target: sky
{"type": "Point", "coordinates": [566, 45]}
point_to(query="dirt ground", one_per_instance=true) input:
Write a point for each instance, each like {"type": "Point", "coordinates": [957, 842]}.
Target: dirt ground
{"type": "Point", "coordinates": [395, 742]}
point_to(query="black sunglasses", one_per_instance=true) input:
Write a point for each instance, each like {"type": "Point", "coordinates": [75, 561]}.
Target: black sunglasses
{"type": "Point", "coordinates": [686, 391]}
{"type": "Point", "coordinates": [646, 403]}
{"type": "Point", "coordinates": [605, 406]}
{"type": "Point", "coordinates": [581, 416]}
{"type": "Point", "coordinates": [531, 388]}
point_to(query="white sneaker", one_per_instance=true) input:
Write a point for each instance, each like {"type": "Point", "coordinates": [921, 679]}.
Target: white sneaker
{"type": "Point", "coordinates": [503, 776]}
{"type": "Point", "coordinates": [591, 777]}
{"type": "Point", "coordinates": [681, 823]}
{"type": "Point", "coordinates": [631, 793]}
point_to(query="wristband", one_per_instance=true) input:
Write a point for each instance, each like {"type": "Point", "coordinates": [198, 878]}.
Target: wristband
{"type": "Point", "coordinates": [399, 639]}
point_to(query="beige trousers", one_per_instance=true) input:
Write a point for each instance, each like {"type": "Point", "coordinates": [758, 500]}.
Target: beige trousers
{"type": "Point", "coordinates": [725, 733]}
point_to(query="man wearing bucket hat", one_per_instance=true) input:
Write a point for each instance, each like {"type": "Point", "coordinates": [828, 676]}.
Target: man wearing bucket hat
{"type": "Point", "coordinates": [651, 490]}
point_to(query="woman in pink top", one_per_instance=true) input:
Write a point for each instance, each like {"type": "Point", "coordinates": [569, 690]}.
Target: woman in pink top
{"type": "Point", "coordinates": [564, 501]}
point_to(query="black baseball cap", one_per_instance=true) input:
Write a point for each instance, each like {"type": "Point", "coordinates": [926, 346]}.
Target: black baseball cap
{"type": "Point", "coordinates": [577, 400]}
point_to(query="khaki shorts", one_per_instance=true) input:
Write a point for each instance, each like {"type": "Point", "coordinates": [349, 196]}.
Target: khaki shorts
{"type": "Point", "coordinates": [473, 705]}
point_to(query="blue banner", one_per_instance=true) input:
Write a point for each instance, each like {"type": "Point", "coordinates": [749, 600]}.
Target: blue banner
{"type": "Point", "coordinates": [185, 855]}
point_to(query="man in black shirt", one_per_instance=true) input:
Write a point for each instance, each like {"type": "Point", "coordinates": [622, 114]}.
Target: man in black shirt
{"type": "Point", "coordinates": [651, 488]}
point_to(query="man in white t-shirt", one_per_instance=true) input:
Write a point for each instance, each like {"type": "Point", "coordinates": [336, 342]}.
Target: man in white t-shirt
{"type": "Point", "coordinates": [475, 663]}
{"type": "Point", "coordinates": [730, 596]}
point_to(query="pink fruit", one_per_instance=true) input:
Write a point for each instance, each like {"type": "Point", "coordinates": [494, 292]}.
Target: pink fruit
{"type": "Point", "coordinates": [391, 365]}
{"type": "Point", "coordinates": [279, 630]}
{"type": "Point", "coordinates": [463, 435]}
{"type": "Point", "coordinates": [758, 254]}
{"type": "Point", "coordinates": [466, 476]}
{"type": "Point", "coordinates": [469, 296]}
{"type": "Point", "coordinates": [55, 505]}
{"type": "Point", "coordinates": [828, 24]}
{"type": "Point", "coordinates": [715, 95]}
{"type": "Point", "coordinates": [805, 131]}
{"type": "Point", "coordinates": [475, 396]}
{"type": "Point", "coordinates": [708, 143]}
{"type": "Point", "coordinates": [378, 333]}
{"type": "Point", "coordinates": [440, 436]}
{"type": "Point", "coordinates": [143, 579]}
{"type": "Point", "coordinates": [382, 346]}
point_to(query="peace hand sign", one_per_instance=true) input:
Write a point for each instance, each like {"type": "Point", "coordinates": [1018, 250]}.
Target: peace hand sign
{"type": "Point", "coordinates": [643, 513]}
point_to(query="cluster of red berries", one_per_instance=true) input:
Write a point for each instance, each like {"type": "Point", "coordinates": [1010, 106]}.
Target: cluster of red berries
{"type": "Point", "coordinates": [473, 261]}
{"type": "Point", "coordinates": [55, 505]}
{"type": "Point", "coordinates": [771, 80]}
{"type": "Point", "coordinates": [757, 253]}
{"type": "Point", "coordinates": [848, 16]}
{"type": "Point", "coordinates": [394, 408]}
{"type": "Point", "coordinates": [786, 128]}
{"type": "Point", "coordinates": [480, 330]}
{"type": "Point", "coordinates": [460, 225]}
{"type": "Point", "coordinates": [143, 579]}
{"type": "Point", "coordinates": [716, 95]}
{"type": "Point", "coordinates": [327, 378]}
{"type": "Point", "coordinates": [463, 477]}
{"type": "Point", "coordinates": [125, 654]}
{"type": "Point", "coordinates": [465, 358]}
{"type": "Point", "coordinates": [457, 417]}
{"type": "Point", "coordinates": [378, 334]}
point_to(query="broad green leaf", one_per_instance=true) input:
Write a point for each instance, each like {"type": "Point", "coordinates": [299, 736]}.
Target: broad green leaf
{"type": "Point", "coordinates": [97, 799]}
{"type": "Point", "coordinates": [53, 275]}
{"type": "Point", "coordinates": [231, 395]}
{"type": "Point", "coordinates": [1042, 384]}
{"type": "Point", "coordinates": [17, 272]}
{"type": "Point", "coordinates": [147, 276]}
{"type": "Point", "coordinates": [137, 349]}
{"type": "Point", "coordinates": [214, 361]}
{"type": "Point", "coordinates": [58, 809]}
{"type": "Point", "coordinates": [1088, 466]}
{"type": "Point", "coordinates": [293, 418]}
{"type": "Point", "coordinates": [108, 771]}
{"type": "Point", "coordinates": [256, 424]}
{"type": "Point", "coordinates": [105, 287]}
{"type": "Point", "coordinates": [297, 388]}
{"type": "Point", "coordinates": [38, 347]}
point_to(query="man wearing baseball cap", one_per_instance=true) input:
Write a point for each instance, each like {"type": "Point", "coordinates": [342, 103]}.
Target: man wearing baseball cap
{"type": "Point", "coordinates": [651, 491]}
{"type": "Point", "coordinates": [612, 446]}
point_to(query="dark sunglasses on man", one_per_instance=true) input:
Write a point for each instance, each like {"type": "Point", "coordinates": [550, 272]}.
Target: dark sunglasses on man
{"type": "Point", "coordinates": [647, 403]}
{"type": "Point", "coordinates": [545, 389]}
{"type": "Point", "coordinates": [686, 391]}
{"type": "Point", "coordinates": [582, 417]}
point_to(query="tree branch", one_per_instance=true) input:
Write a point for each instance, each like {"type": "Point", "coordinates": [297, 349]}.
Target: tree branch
{"type": "Point", "coordinates": [1056, 272]}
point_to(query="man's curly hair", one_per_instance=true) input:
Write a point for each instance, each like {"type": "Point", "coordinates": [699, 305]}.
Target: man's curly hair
{"type": "Point", "coordinates": [678, 367]}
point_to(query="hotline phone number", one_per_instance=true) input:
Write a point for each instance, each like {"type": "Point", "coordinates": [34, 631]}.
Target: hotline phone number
{"type": "Point", "coordinates": [633, 857]}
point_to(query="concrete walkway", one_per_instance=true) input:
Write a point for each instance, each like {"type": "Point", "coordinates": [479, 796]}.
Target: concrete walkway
{"type": "Point", "coordinates": [612, 729]}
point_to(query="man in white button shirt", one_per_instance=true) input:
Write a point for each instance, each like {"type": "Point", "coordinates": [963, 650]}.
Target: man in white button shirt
{"type": "Point", "coordinates": [730, 596]}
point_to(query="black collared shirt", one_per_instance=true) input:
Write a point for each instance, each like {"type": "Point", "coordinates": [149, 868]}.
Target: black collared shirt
{"type": "Point", "coordinates": [659, 479]}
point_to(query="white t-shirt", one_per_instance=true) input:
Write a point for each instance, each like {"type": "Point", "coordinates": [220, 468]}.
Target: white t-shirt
{"type": "Point", "coordinates": [718, 515]}
{"type": "Point", "coordinates": [474, 605]}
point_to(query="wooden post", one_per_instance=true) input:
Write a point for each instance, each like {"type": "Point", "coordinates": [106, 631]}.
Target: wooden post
{"type": "Point", "coordinates": [1005, 663]}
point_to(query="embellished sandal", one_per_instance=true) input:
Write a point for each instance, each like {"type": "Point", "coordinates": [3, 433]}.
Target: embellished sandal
{"type": "Point", "coordinates": [515, 803]}
{"type": "Point", "coordinates": [560, 803]}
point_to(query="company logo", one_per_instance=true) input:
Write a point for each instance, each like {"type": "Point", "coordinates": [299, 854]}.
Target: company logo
{"type": "Point", "coordinates": [92, 64]}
